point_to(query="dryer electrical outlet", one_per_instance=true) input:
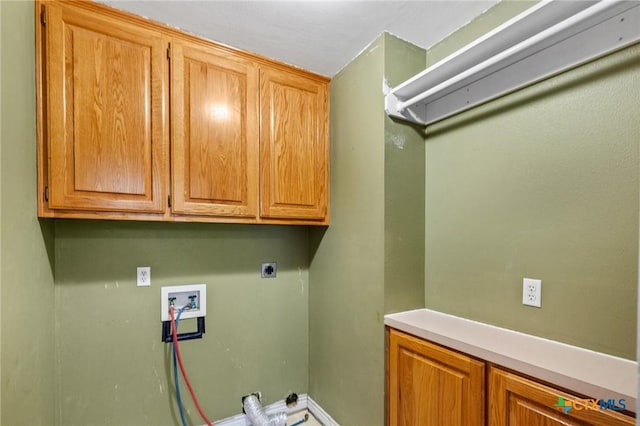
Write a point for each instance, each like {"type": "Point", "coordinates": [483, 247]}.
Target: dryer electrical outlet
{"type": "Point", "coordinates": [193, 297]}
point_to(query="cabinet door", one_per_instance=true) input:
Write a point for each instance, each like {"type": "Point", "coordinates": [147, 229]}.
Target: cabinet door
{"type": "Point", "coordinates": [293, 146]}
{"type": "Point", "coordinates": [214, 107]}
{"type": "Point", "coordinates": [106, 81]}
{"type": "Point", "coordinates": [429, 385]}
{"type": "Point", "coordinates": [517, 401]}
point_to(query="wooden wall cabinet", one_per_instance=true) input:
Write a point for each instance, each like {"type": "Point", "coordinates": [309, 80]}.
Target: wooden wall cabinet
{"type": "Point", "coordinates": [294, 148]}
{"type": "Point", "coordinates": [140, 121]}
{"type": "Point", "coordinates": [430, 385]}
{"type": "Point", "coordinates": [214, 124]}
{"type": "Point", "coordinates": [105, 84]}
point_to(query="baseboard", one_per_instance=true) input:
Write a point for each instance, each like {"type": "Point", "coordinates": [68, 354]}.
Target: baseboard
{"type": "Point", "coordinates": [319, 413]}
{"type": "Point", "coordinates": [304, 403]}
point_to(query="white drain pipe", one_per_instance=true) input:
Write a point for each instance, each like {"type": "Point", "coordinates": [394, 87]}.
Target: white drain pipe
{"type": "Point", "coordinates": [253, 409]}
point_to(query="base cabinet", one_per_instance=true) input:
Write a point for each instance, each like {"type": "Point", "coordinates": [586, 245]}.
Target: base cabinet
{"type": "Point", "coordinates": [516, 400]}
{"type": "Point", "coordinates": [430, 385]}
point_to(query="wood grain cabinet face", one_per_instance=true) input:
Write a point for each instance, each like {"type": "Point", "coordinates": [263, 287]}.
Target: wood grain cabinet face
{"type": "Point", "coordinates": [105, 87]}
{"type": "Point", "coordinates": [129, 108]}
{"type": "Point", "coordinates": [429, 385]}
{"type": "Point", "coordinates": [214, 122]}
{"type": "Point", "coordinates": [293, 146]}
{"type": "Point", "coordinates": [517, 401]}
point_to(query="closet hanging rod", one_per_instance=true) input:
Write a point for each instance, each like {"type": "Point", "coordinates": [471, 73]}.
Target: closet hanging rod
{"type": "Point", "coordinates": [590, 33]}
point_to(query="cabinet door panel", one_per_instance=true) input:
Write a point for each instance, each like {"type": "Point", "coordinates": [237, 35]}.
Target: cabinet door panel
{"type": "Point", "coordinates": [432, 386]}
{"type": "Point", "coordinates": [215, 133]}
{"type": "Point", "coordinates": [516, 401]}
{"type": "Point", "coordinates": [105, 90]}
{"type": "Point", "coordinates": [294, 148]}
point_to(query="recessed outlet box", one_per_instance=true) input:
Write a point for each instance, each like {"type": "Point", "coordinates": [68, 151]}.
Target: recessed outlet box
{"type": "Point", "coordinates": [192, 297]}
{"type": "Point", "coordinates": [532, 292]}
{"type": "Point", "coordinates": [269, 269]}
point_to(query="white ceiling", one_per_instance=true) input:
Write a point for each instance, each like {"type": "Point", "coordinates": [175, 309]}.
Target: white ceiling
{"type": "Point", "coordinates": [320, 36]}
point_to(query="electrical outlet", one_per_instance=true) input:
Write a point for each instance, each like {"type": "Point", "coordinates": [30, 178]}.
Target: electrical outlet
{"type": "Point", "coordinates": [532, 292]}
{"type": "Point", "coordinates": [192, 297]}
{"type": "Point", "coordinates": [269, 269]}
{"type": "Point", "coordinates": [144, 276]}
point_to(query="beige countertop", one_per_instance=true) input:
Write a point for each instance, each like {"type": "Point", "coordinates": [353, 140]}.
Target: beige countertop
{"type": "Point", "coordinates": [591, 373]}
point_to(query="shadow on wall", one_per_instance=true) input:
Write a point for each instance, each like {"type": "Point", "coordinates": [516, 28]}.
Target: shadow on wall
{"type": "Point", "coordinates": [523, 97]}
{"type": "Point", "coordinates": [47, 228]}
{"type": "Point", "coordinates": [316, 233]}
{"type": "Point", "coordinates": [111, 250]}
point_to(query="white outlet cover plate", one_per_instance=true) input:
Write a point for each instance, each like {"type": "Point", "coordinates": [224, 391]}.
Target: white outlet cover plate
{"type": "Point", "coordinates": [533, 297]}
{"type": "Point", "coordinates": [143, 276]}
{"type": "Point", "coordinates": [183, 291]}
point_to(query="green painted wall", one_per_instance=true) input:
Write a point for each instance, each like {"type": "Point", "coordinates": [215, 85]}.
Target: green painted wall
{"type": "Point", "coordinates": [404, 189]}
{"type": "Point", "coordinates": [27, 343]}
{"type": "Point", "coordinates": [353, 268]}
{"type": "Point", "coordinates": [112, 368]}
{"type": "Point", "coordinates": [519, 187]}
{"type": "Point", "coordinates": [94, 356]}
{"type": "Point", "coordinates": [1, 84]}
{"type": "Point", "coordinates": [346, 302]}
{"type": "Point", "coordinates": [490, 19]}
{"type": "Point", "coordinates": [94, 353]}
{"type": "Point", "coordinates": [542, 183]}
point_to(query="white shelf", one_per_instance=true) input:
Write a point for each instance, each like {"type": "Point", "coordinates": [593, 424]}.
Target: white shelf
{"type": "Point", "coordinates": [548, 38]}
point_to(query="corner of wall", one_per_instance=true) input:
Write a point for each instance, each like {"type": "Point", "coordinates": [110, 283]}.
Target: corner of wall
{"type": "Point", "coordinates": [1, 3]}
{"type": "Point", "coordinates": [404, 188]}
{"type": "Point", "coordinates": [26, 336]}
{"type": "Point", "coordinates": [346, 273]}
{"type": "Point", "coordinates": [490, 19]}
{"type": "Point", "coordinates": [371, 259]}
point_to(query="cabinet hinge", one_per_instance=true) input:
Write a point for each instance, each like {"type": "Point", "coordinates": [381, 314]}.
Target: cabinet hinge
{"type": "Point", "coordinates": [169, 200]}
{"type": "Point", "coordinates": [43, 18]}
{"type": "Point", "coordinates": [46, 193]}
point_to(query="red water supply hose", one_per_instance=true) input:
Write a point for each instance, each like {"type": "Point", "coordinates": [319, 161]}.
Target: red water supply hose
{"type": "Point", "coordinates": [184, 373]}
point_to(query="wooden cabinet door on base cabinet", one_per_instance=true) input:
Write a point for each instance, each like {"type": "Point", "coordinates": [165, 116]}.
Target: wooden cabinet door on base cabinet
{"type": "Point", "coordinates": [105, 85]}
{"type": "Point", "coordinates": [293, 147]}
{"type": "Point", "coordinates": [518, 401]}
{"type": "Point", "coordinates": [429, 385]}
{"type": "Point", "coordinates": [214, 124]}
